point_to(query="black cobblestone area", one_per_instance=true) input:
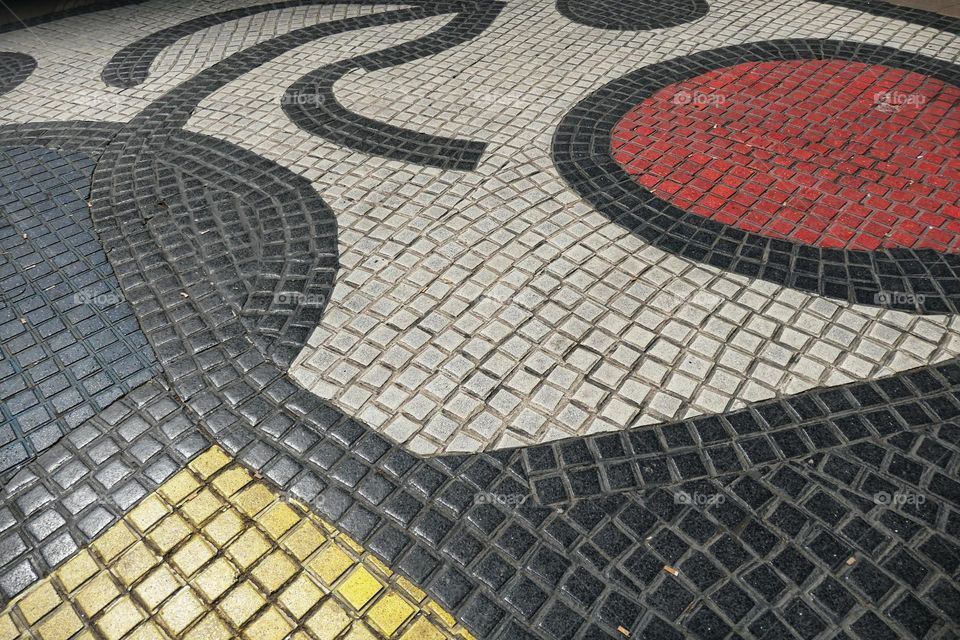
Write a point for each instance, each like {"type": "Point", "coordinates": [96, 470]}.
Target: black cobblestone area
{"type": "Point", "coordinates": [630, 15]}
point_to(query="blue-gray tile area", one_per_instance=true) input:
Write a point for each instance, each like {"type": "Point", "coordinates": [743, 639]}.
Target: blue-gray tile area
{"type": "Point", "coordinates": [70, 344]}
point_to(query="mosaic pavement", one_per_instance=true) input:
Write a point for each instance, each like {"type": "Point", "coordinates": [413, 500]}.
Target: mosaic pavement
{"type": "Point", "coordinates": [480, 319]}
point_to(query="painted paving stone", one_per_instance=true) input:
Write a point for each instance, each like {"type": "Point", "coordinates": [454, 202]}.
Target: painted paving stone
{"type": "Point", "coordinates": [480, 320]}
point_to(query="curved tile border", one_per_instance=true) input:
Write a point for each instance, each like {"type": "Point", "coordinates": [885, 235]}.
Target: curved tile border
{"type": "Point", "coordinates": [582, 154]}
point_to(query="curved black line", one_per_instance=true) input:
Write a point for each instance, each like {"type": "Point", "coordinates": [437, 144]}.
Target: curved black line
{"type": "Point", "coordinates": [174, 108]}
{"type": "Point", "coordinates": [14, 69]}
{"type": "Point", "coordinates": [311, 105]}
{"type": "Point", "coordinates": [632, 15]}
{"type": "Point", "coordinates": [131, 65]}
{"type": "Point", "coordinates": [582, 154]}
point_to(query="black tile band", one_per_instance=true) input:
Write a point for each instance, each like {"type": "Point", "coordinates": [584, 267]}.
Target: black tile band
{"type": "Point", "coordinates": [632, 15]}
{"type": "Point", "coordinates": [312, 106]}
{"type": "Point", "coordinates": [929, 280]}
{"type": "Point", "coordinates": [131, 65]}
{"type": "Point", "coordinates": [769, 559]}
{"type": "Point", "coordinates": [849, 420]}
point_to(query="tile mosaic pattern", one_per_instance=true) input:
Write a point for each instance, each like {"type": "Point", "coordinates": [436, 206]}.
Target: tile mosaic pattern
{"type": "Point", "coordinates": [71, 344]}
{"type": "Point", "coordinates": [214, 554]}
{"type": "Point", "coordinates": [762, 524]}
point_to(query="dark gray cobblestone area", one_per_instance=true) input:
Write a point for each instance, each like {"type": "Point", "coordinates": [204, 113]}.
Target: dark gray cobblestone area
{"type": "Point", "coordinates": [70, 342]}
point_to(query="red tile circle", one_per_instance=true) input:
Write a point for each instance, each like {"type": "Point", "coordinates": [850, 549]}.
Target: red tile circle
{"type": "Point", "coordinates": [831, 153]}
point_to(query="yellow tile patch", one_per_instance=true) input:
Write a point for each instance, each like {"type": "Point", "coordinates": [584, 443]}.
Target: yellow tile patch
{"type": "Point", "coordinates": [115, 541]}
{"type": "Point", "coordinates": [157, 587]}
{"type": "Point", "coordinates": [147, 631]}
{"type": "Point", "coordinates": [273, 571]}
{"type": "Point", "coordinates": [201, 506]}
{"type": "Point", "coordinates": [248, 548]}
{"type": "Point", "coordinates": [360, 631]}
{"type": "Point", "coordinates": [39, 602]}
{"type": "Point", "coordinates": [193, 555]}
{"type": "Point", "coordinates": [270, 626]}
{"type": "Point", "coordinates": [216, 578]}
{"type": "Point", "coordinates": [278, 519]}
{"type": "Point", "coordinates": [231, 481]}
{"type": "Point", "coordinates": [8, 630]}
{"type": "Point", "coordinates": [300, 596]}
{"type": "Point", "coordinates": [179, 487]}
{"type": "Point", "coordinates": [119, 619]}
{"type": "Point", "coordinates": [253, 500]}
{"type": "Point", "coordinates": [182, 609]}
{"type": "Point", "coordinates": [97, 594]}
{"type": "Point", "coordinates": [135, 562]}
{"type": "Point", "coordinates": [209, 462]}
{"type": "Point", "coordinates": [240, 604]}
{"type": "Point", "coordinates": [61, 625]}
{"type": "Point", "coordinates": [329, 620]}
{"type": "Point", "coordinates": [260, 569]}
{"type": "Point", "coordinates": [148, 513]}
{"type": "Point", "coordinates": [422, 630]}
{"type": "Point", "coordinates": [360, 587]}
{"type": "Point", "coordinates": [331, 563]}
{"type": "Point", "coordinates": [76, 570]}
{"type": "Point", "coordinates": [303, 540]}
{"type": "Point", "coordinates": [224, 527]}
{"type": "Point", "coordinates": [169, 532]}
{"type": "Point", "coordinates": [210, 628]}
{"type": "Point", "coordinates": [389, 613]}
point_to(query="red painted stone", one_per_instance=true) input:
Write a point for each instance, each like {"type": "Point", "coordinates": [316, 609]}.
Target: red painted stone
{"type": "Point", "coordinates": [830, 153]}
